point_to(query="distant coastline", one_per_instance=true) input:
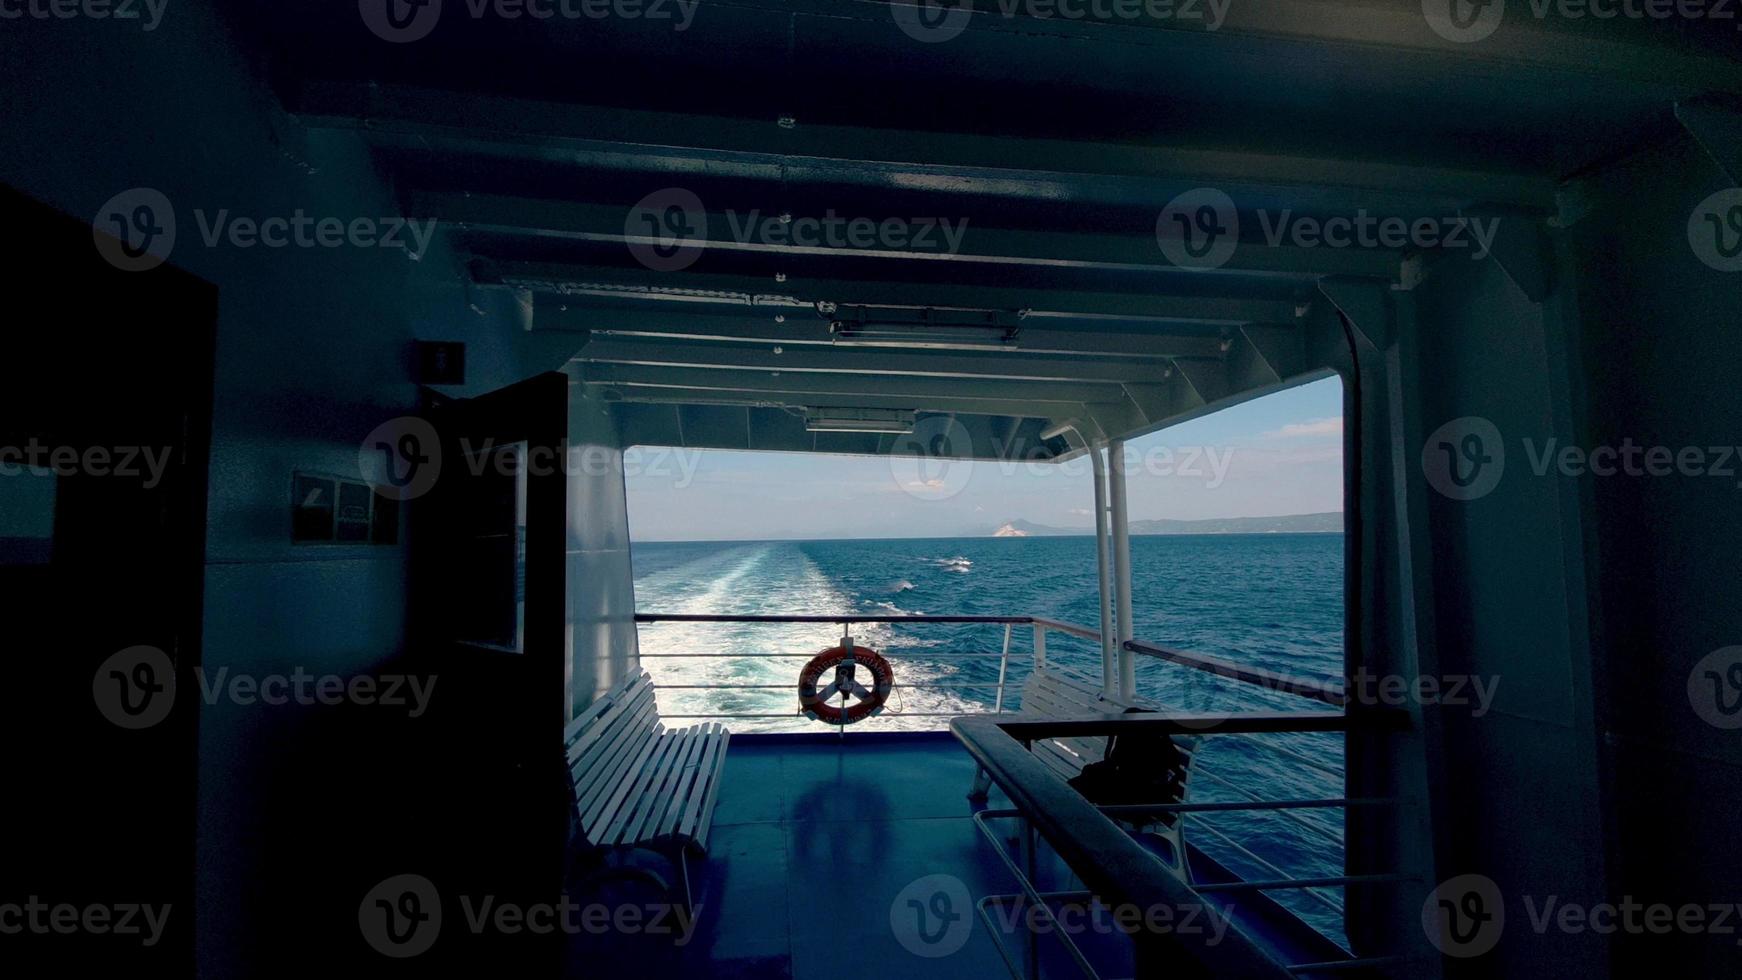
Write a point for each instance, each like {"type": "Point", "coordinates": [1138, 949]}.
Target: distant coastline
{"type": "Point", "coordinates": [1330, 522]}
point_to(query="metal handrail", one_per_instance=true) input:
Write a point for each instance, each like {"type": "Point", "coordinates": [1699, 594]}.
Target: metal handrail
{"type": "Point", "coordinates": [998, 687]}
{"type": "Point", "coordinates": [1324, 690]}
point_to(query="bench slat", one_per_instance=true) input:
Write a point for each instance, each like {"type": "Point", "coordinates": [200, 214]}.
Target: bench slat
{"type": "Point", "coordinates": [610, 799]}
{"type": "Point", "coordinates": [637, 786]}
{"type": "Point", "coordinates": [666, 791]}
{"type": "Point", "coordinates": [605, 723]}
{"type": "Point", "coordinates": [695, 781]}
{"type": "Point", "coordinates": [573, 729]}
{"type": "Point", "coordinates": [636, 781]}
{"type": "Point", "coordinates": [593, 774]}
{"type": "Point", "coordinates": [707, 818]}
{"type": "Point", "coordinates": [656, 785]}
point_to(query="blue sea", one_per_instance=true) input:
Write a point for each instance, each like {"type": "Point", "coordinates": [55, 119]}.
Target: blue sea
{"type": "Point", "coordinates": [1267, 600]}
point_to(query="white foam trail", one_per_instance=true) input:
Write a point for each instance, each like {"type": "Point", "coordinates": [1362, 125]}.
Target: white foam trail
{"type": "Point", "coordinates": [767, 579]}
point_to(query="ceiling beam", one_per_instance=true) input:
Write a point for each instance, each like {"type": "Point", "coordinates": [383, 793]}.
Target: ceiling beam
{"type": "Point", "coordinates": [874, 361]}
{"type": "Point", "coordinates": [803, 292]}
{"type": "Point", "coordinates": [764, 232]}
{"type": "Point", "coordinates": [845, 389]}
{"type": "Point", "coordinates": [1007, 407]}
{"type": "Point", "coordinates": [554, 313]}
{"type": "Point", "coordinates": [572, 131]}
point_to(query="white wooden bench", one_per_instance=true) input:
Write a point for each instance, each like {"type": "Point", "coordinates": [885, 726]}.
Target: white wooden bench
{"type": "Point", "coordinates": [1054, 692]}
{"type": "Point", "coordinates": [636, 783]}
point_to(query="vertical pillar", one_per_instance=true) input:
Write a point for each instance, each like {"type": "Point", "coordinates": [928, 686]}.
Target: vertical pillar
{"type": "Point", "coordinates": [1109, 638]}
{"type": "Point", "coordinates": [1120, 520]}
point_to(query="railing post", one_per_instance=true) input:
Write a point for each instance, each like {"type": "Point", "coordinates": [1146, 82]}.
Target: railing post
{"type": "Point", "coordinates": [1122, 569]}
{"type": "Point", "coordinates": [1039, 646]}
{"type": "Point", "coordinates": [1003, 666]}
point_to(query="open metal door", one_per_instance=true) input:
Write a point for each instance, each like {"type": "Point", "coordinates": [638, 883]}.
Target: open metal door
{"type": "Point", "coordinates": [488, 537]}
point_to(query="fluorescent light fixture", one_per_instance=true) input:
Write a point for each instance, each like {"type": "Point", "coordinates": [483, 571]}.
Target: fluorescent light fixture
{"type": "Point", "coordinates": [859, 420]}
{"type": "Point", "coordinates": [925, 328]}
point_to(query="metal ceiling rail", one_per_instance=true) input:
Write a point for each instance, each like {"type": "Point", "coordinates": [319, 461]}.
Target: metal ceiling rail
{"type": "Point", "coordinates": [1015, 247]}
{"type": "Point", "coordinates": [1171, 297]}
{"type": "Point", "coordinates": [806, 328]}
{"type": "Point", "coordinates": [565, 130]}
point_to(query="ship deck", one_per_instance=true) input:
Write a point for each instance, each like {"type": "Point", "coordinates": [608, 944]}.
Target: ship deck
{"type": "Point", "coordinates": [813, 842]}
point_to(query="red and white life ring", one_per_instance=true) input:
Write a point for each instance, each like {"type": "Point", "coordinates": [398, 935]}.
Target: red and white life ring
{"type": "Point", "coordinates": [816, 704]}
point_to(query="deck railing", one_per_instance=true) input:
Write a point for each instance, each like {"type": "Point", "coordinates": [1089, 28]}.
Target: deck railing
{"type": "Point", "coordinates": [1254, 729]}
{"type": "Point", "coordinates": [846, 622]}
{"type": "Point", "coordinates": [1323, 690]}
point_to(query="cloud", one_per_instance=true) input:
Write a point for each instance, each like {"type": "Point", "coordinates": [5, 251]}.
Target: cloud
{"type": "Point", "coordinates": [1309, 428]}
{"type": "Point", "coordinates": [1080, 512]}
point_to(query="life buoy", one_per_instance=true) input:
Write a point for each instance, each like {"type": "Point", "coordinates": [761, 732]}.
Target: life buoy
{"type": "Point", "coordinates": [815, 704]}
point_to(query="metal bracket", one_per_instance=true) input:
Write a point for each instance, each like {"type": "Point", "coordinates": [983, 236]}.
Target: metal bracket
{"type": "Point", "coordinates": [1520, 250]}
{"type": "Point", "coordinates": [1365, 305]}
{"type": "Point", "coordinates": [1718, 130]}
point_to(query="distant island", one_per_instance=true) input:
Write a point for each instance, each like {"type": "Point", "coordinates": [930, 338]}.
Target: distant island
{"type": "Point", "coordinates": [1330, 522]}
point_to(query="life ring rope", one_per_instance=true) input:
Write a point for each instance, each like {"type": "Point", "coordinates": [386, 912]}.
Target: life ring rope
{"type": "Point", "coordinates": [859, 701]}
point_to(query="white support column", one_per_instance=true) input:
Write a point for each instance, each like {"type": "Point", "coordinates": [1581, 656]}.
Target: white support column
{"type": "Point", "coordinates": [1109, 639]}
{"type": "Point", "coordinates": [1121, 522]}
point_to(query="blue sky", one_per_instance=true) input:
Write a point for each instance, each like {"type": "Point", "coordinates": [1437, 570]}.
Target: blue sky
{"type": "Point", "coordinates": [1281, 454]}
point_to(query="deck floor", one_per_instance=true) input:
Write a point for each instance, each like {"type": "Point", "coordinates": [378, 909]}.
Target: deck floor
{"type": "Point", "coordinates": [813, 843]}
